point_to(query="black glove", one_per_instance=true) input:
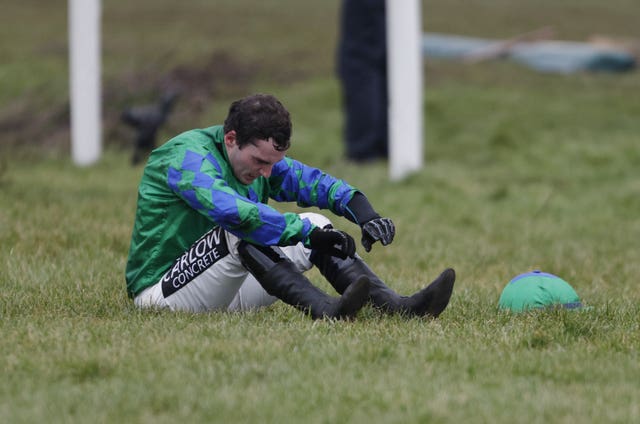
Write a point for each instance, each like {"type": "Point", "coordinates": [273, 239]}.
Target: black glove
{"type": "Point", "coordinates": [332, 242]}
{"type": "Point", "coordinates": [377, 229]}
{"type": "Point", "coordinates": [374, 227]}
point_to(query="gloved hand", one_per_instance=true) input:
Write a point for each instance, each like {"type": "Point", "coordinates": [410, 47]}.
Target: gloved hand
{"type": "Point", "coordinates": [332, 242]}
{"type": "Point", "coordinates": [377, 229]}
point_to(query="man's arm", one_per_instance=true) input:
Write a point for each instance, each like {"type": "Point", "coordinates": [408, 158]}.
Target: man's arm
{"type": "Point", "coordinates": [202, 186]}
{"type": "Point", "coordinates": [293, 181]}
{"type": "Point", "coordinates": [374, 227]}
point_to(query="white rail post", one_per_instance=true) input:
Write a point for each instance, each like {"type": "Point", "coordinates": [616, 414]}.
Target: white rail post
{"type": "Point", "coordinates": [84, 81]}
{"type": "Point", "coordinates": [404, 34]}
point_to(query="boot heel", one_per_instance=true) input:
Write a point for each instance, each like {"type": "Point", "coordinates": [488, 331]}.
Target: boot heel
{"type": "Point", "coordinates": [353, 299]}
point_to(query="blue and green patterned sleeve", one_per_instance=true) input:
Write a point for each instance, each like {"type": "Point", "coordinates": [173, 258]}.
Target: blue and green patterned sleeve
{"type": "Point", "coordinates": [200, 181]}
{"type": "Point", "coordinates": [293, 181]}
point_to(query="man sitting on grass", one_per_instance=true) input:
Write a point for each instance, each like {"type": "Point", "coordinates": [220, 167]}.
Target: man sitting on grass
{"type": "Point", "coordinates": [204, 237]}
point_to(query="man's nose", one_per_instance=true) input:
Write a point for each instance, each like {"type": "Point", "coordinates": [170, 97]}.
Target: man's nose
{"type": "Point", "coordinates": [265, 171]}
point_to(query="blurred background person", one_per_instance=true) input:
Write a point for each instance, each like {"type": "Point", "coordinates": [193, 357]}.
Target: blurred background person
{"type": "Point", "coordinates": [362, 70]}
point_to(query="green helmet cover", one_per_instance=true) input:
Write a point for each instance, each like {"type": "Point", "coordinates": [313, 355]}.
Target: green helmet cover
{"type": "Point", "coordinates": [538, 290]}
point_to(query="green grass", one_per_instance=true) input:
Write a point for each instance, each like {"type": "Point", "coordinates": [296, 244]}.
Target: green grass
{"type": "Point", "coordinates": [522, 171]}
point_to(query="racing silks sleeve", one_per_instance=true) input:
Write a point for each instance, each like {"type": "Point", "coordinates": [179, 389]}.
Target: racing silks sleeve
{"type": "Point", "coordinates": [293, 181]}
{"type": "Point", "coordinates": [208, 186]}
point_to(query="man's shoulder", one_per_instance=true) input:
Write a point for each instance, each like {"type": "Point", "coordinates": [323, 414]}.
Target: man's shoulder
{"type": "Point", "coordinates": [201, 141]}
{"type": "Point", "coordinates": [198, 136]}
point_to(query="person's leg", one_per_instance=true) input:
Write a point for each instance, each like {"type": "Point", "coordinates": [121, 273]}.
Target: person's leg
{"type": "Point", "coordinates": [430, 301]}
{"type": "Point", "coordinates": [381, 99]}
{"type": "Point", "coordinates": [151, 297]}
{"type": "Point", "coordinates": [362, 116]}
{"type": "Point", "coordinates": [211, 275]}
{"type": "Point", "coordinates": [251, 296]}
{"type": "Point", "coordinates": [280, 277]}
{"type": "Point", "coordinates": [206, 277]}
{"type": "Point", "coordinates": [363, 76]}
{"type": "Point", "coordinates": [279, 272]}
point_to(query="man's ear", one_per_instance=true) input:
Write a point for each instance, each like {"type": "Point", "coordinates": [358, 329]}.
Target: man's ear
{"type": "Point", "coordinates": [230, 138]}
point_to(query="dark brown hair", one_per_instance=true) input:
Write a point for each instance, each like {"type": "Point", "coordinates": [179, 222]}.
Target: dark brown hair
{"type": "Point", "coordinates": [259, 117]}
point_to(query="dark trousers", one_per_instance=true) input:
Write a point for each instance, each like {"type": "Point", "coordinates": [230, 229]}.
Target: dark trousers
{"type": "Point", "coordinates": [362, 69]}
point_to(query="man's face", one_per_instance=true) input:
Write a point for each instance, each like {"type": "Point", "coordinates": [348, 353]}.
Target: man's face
{"type": "Point", "coordinates": [253, 160]}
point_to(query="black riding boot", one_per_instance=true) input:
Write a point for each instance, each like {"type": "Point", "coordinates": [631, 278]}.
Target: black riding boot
{"type": "Point", "coordinates": [430, 301]}
{"type": "Point", "coordinates": [280, 278]}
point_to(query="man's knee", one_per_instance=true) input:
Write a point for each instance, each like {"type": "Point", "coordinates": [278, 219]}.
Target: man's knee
{"type": "Point", "coordinates": [260, 259]}
{"type": "Point", "coordinates": [316, 218]}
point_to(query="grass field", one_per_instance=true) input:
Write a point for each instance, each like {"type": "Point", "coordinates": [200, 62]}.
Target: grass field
{"type": "Point", "coordinates": [522, 171]}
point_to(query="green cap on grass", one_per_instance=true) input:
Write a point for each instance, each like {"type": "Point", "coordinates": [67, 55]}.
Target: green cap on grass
{"type": "Point", "coordinates": [538, 290]}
